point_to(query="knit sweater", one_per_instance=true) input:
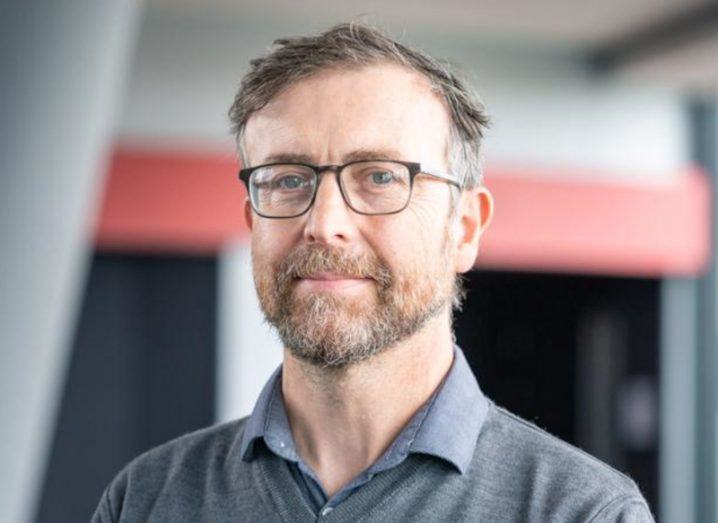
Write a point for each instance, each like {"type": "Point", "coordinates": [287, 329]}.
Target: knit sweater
{"type": "Point", "coordinates": [518, 473]}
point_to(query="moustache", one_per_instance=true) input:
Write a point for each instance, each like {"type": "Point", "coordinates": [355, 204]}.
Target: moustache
{"type": "Point", "coordinates": [306, 260]}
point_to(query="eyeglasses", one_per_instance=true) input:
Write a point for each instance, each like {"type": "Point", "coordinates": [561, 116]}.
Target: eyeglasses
{"type": "Point", "coordinates": [288, 190]}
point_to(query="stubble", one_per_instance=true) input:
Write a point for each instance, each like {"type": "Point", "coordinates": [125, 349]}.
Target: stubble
{"type": "Point", "coordinates": [332, 330]}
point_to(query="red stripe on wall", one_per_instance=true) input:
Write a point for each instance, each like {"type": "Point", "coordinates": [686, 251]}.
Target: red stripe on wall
{"type": "Point", "coordinates": [189, 202]}
{"type": "Point", "coordinates": [171, 201]}
{"type": "Point", "coordinates": [604, 228]}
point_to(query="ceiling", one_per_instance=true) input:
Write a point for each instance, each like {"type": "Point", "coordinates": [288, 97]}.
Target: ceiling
{"type": "Point", "coordinates": [584, 24]}
{"type": "Point", "coordinates": [566, 25]}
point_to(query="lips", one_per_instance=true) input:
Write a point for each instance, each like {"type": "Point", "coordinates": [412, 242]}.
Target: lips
{"type": "Point", "coordinates": [328, 276]}
{"type": "Point", "coordinates": [331, 282]}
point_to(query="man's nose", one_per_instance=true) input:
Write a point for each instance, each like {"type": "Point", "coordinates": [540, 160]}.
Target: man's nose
{"type": "Point", "coordinates": [329, 220]}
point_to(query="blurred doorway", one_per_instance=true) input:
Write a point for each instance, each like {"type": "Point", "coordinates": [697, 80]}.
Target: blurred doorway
{"type": "Point", "coordinates": [141, 373]}
{"type": "Point", "coordinates": [576, 355]}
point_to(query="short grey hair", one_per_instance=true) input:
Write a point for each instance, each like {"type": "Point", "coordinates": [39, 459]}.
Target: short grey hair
{"type": "Point", "coordinates": [353, 45]}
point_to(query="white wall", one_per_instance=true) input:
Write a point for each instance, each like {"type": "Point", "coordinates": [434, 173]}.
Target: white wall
{"type": "Point", "coordinates": [248, 351]}
{"type": "Point", "coordinates": [550, 110]}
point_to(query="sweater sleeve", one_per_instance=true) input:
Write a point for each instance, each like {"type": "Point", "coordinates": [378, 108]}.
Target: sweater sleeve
{"type": "Point", "coordinates": [625, 509]}
{"type": "Point", "coordinates": [110, 507]}
{"type": "Point", "coordinates": [103, 513]}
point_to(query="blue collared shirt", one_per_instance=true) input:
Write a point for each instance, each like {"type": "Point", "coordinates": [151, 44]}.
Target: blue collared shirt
{"type": "Point", "coordinates": [440, 428]}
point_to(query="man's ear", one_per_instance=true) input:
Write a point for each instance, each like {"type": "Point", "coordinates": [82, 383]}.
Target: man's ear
{"type": "Point", "coordinates": [476, 207]}
{"type": "Point", "coordinates": [248, 213]}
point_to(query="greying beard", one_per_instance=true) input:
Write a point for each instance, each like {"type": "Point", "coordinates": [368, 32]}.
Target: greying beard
{"type": "Point", "coordinates": [332, 331]}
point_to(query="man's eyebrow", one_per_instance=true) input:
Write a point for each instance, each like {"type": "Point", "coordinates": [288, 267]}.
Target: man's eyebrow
{"type": "Point", "coordinates": [372, 154]}
{"type": "Point", "coordinates": [354, 156]}
{"type": "Point", "coordinates": [288, 158]}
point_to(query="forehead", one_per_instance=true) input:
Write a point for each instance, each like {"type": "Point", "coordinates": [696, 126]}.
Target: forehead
{"type": "Point", "coordinates": [332, 114]}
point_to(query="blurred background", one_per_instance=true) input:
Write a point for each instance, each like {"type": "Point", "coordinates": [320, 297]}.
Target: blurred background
{"type": "Point", "coordinates": [127, 310]}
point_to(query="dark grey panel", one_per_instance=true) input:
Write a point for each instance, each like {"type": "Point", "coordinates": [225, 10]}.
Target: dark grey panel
{"type": "Point", "coordinates": [142, 372]}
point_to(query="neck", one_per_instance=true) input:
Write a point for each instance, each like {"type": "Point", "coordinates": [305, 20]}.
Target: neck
{"type": "Point", "coordinates": [343, 420]}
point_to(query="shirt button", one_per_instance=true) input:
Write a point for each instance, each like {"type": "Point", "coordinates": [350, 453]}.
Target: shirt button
{"type": "Point", "coordinates": [281, 444]}
{"type": "Point", "coordinates": [326, 510]}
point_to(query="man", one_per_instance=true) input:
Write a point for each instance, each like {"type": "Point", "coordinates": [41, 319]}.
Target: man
{"type": "Point", "coordinates": [365, 202]}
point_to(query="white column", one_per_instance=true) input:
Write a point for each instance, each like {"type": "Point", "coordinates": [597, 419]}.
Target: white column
{"type": "Point", "coordinates": [677, 451]}
{"type": "Point", "coordinates": [248, 350]}
{"type": "Point", "coordinates": [62, 68]}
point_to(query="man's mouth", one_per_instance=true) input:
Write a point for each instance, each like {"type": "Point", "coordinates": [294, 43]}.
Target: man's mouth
{"type": "Point", "coordinates": [331, 281]}
{"type": "Point", "coordinates": [332, 276]}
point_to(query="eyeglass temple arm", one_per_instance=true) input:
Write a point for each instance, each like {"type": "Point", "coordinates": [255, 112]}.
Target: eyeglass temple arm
{"type": "Point", "coordinates": [442, 176]}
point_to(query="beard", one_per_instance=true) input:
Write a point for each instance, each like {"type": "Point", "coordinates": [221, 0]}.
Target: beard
{"type": "Point", "coordinates": [331, 330]}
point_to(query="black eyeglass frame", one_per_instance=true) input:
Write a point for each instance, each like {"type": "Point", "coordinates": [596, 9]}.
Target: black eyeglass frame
{"type": "Point", "coordinates": [414, 169]}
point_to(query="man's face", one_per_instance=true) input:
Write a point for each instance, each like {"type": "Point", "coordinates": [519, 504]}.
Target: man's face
{"type": "Point", "coordinates": [340, 286]}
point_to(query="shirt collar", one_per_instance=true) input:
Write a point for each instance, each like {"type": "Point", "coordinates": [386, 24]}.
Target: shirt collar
{"type": "Point", "coordinates": [454, 419]}
{"type": "Point", "coordinates": [448, 427]}
{"type": "Point", "coordinates": [256, 426]}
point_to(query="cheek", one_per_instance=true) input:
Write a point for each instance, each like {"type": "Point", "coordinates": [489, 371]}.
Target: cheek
{"type": "Point", "coordinates": [429, 222]}
{"type": "Point", "coordinates": [259, 248]}
{"type": "Point", "coordinates": [271, 240]}
{"type": "Point", "coordinates": [413, 245]}
{"type": "Point", "coordinates": [430, 203]}
{"type": "Point", "coordinates": [262, 265]}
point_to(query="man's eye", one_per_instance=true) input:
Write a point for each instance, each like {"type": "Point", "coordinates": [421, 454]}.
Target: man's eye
{"type": "Point", "coordinates": [289, 182]}
{"type": "Point", "coordinates": [381, 177]}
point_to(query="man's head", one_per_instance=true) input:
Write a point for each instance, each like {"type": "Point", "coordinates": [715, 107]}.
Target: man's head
{"type": "Point", "coordinates": [338, 285]}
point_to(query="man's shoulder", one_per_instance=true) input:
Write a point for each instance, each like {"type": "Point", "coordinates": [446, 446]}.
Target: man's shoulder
{"type": "Point", "coordinates": [533, 446]}
{"type": "Point", "coordinates": [172, 469]}
{"type": "Point", "coordinates": [192, 449]}
{"type": "Point", "coordinates": [525, 458]}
